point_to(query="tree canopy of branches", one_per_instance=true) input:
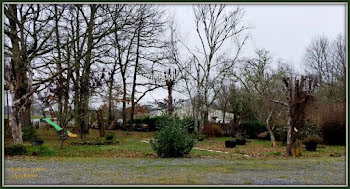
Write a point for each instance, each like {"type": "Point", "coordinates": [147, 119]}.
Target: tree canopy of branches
{"type": "Point", "coordinates": [261, 86]}
{"type": "Point", "coordinates": [326, 59]}
{"type": "Point", "coordinates": [28, 33]}
{"type": "Point", "coordinates": [207, 66]}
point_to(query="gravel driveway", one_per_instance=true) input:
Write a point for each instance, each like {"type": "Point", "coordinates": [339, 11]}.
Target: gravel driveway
{"type": "Point", "coordinates": [174, 171]}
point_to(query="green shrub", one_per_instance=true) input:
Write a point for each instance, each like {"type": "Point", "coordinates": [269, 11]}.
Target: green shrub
{"type": "Point", "coordinates": [253, 128]}
{"type": "Point", "coordinates": [189, 123]}
{"type": "Point", "coordinates": [18, 149]}
{"type": "Point", "coordinates": [172, 140]}
{"type": "Point", "coordinates": [44, 151]}
{"type": "Point", "coordinates": [110, 135]}
{"type": "Point", "coordinates": [29, 134]}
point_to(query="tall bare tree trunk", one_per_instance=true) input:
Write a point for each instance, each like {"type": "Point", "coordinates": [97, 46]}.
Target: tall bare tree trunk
{"type": "Point", "coordinates": [289, 137]}
{"type": "Point", "coordinates": [132, 112]}
{"type": "Point", "coordinates": [20, 78]}
{"type": "Point", "coordinates": [270, 129]}
{"type": "Point", "coordinates": [124, 104]}
{"type": "Point", "coordinates": [84, 87]}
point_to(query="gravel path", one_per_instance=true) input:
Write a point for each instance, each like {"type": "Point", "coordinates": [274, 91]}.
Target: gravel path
{"type": "Point", "coordinates": [174, 171]}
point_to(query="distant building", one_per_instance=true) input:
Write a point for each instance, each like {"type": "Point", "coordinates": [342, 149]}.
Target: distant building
{"type": "Point", "coordinates": [7, 110]}
{"type": "Point", "coordinates": [186, 111]}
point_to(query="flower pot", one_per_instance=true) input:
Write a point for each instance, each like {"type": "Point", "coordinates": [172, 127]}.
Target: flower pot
{"type": "Point", "coordinates": [37, 142]}
{"type": "Point", "coordinates": [230, 144]}
{"type": "Point", "coordinates": [241, 141]}
{"type": "Point", "coordinates": [311, 146]}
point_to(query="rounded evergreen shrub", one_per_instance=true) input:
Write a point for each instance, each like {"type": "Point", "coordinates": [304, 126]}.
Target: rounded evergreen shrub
{"type": "Point", "coordinates": [172, 140]}
{"type": "Point", "coordinates": [29, 134]}
{"type": "Point", "coordinates": [253, 128]}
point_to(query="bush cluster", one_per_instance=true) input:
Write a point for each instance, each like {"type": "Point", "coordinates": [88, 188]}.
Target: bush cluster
{"type": "Point", "coordinates": [18, 149]}
{"type": "Point", "coordinates": [153, 122]}
{"type": "Point", "coordinates": [227, 129]}
{"type": "Point", "coordinates": [330, 118]}
{"type": "Point", "coordinates": [172, 139]}
{"type": "Point", "coordinates": [212, 130]}
{"type": "Point", "coordinates": [334, 132]}
{"type": "Point", "coordinates": [44, 151]}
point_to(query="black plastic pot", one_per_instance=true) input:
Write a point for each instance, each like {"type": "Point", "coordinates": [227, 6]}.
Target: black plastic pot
{"type": "Point", "coordinates": [311, 146]}
{"type": "Point", "coordinates": [37, 142]}
{"type": "Point", "coordinates": [241, 141]}
{"type": "Point", "coordinates": [230, 144]}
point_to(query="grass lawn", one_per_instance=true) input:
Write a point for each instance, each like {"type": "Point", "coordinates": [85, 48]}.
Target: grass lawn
{"type": "Point", "coordinates": [130, 146]}
{"type": "Point", "coordinates": [134, 162]}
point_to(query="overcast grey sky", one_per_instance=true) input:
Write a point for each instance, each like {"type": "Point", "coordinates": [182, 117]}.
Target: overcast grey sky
{"type": "Point", "coordinates": [284, 30]}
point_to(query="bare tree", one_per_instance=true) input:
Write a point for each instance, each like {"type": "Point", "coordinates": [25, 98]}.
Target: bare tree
{"type": "Point", "coordinates": [325, 58]}
{"type": "Point", "coordinates": [149, 26]}
{"type": "Point", "coordinates": [90, 24]}
{"type": "Point", "coordinates": [338, 54]}
{"type": "Point", "coordinates": [262, 86]}
{"type": "Point", "coordinates": [135, 42]}
{"type": "Point", "coordinates": [28, 30]}
{"type": "Point", "coordinates": [204, 72]}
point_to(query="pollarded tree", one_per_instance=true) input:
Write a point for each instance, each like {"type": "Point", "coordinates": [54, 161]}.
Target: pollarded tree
{"type": "Point", "coordinates": [299, 95]}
